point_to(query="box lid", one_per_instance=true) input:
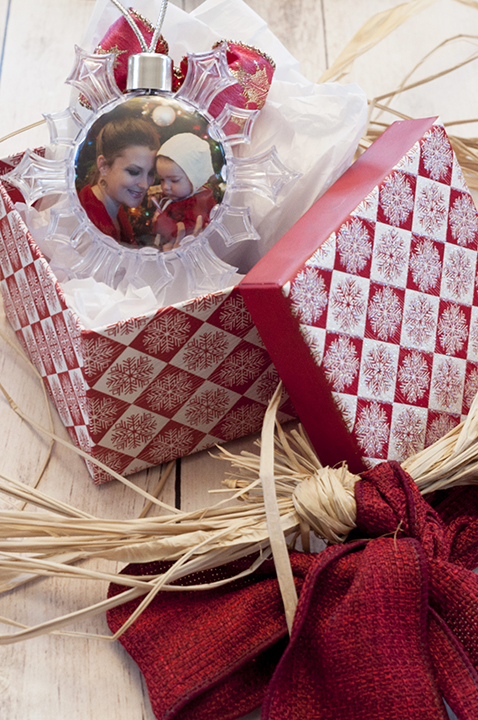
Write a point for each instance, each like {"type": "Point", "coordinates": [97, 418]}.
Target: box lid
{"type": "Point", "coordinates": [368, 305]}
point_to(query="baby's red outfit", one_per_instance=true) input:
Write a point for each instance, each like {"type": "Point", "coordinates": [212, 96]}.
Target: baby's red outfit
{"type": "Point", "coordinates": [98, 215]}
{"type": "Point", "coordinates": [186, 211]}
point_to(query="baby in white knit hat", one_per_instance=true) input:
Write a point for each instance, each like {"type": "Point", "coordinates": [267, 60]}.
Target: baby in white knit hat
{"type": "Point", "coordinates": [183, 165]}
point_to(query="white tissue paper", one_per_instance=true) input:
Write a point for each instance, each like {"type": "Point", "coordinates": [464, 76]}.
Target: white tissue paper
{"type": "Point", "coordinates": [315, 128]}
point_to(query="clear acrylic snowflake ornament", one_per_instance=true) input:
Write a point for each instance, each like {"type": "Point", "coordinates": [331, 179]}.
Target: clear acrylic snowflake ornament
{"type": "Point", "coordinates": [186, 263]}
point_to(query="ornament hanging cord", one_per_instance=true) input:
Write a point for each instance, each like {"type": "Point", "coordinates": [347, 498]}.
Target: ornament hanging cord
{"type": "Point", "coordinates": [134, 27]}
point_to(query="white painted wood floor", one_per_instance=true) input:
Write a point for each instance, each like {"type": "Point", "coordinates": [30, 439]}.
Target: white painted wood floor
{"type": "Point", "coordinates": [59, 677]}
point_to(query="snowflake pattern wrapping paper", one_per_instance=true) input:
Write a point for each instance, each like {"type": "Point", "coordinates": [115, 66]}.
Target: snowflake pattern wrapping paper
{"type": "Point", "coordinates": [146, 390]}
{"type": "Point", "coordinates": [379, 302]}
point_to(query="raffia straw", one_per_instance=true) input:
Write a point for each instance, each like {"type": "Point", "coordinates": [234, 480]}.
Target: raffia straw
{"type": "Point", "coordinates": [86, 456]}
{"type": "Point", "coordinates": [276, 534]}
{"type": "Point", "coordinates": [204, 539]}
{"type": "Point", "coordinates": [403, 85]}
{"type": "Point", "coordinates": [373, 31]}
{"type": "Point", "coordinates": [22, 130]}
{"type": "Point", "coordinates": [162, 482]}
{"type": "Point", "coordinates": [466, 149]}
{"type": "Point", "coordinates": [370, 34]}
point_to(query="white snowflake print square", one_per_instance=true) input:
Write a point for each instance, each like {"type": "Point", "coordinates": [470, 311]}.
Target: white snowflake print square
{"type": "Point", "coordinates": [368, 208]}
{"type": "Point", "coordinates": [378, 371]}
{"type": "Point", "coordinates": [420, 318]}
{"type": "Point", "coordinates": [458, 276]}
{"type": "Point", "coordinates": [315, 339]}
{"type": "Point", "coordinates": [447, 384]}
{"type": "Point", "coordinates": [430, 217]}
{"type": "Point", "coordinates": [407, 430]}
{"type": "Point", "coordinates": [385, 265]}
{"type": "Point", "coordinates": [390, 259]}
{"type": "Point", "coordinates": [324, 257]}
{"type": "Point", "coordinates": [347, 304]}
{"type": "Point", "coordinates": [472, 354]}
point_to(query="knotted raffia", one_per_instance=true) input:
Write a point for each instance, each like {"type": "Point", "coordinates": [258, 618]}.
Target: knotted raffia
{"type": "Point", "coordinates": [326, 502]}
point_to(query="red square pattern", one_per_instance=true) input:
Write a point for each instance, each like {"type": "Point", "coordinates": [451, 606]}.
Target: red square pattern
{"type": "Point", "coordinates": [146, 390]}
{"type": "Point", "coordinates": [387, 303]}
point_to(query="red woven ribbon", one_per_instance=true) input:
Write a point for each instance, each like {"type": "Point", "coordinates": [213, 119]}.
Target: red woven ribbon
{"type": "Point", "coordinates": [385, 627]}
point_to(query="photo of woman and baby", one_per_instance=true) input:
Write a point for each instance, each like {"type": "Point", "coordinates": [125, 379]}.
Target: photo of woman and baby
{"type": "Point", "coordinates": [149, 178]}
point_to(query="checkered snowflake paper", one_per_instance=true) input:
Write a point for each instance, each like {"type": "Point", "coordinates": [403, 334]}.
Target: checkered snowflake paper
{"type": "Point", "coordinates": [388, 305]}
{"type": "Point", "coordinates": [146, 390]}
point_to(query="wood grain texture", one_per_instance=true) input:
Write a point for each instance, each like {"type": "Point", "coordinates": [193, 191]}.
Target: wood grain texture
{"type": "Point", "coordinates": [53, 678]}
{"type": "Point", "coordinates": [39, 54]}
{"type": "Point", "coordinates": [305, 40]}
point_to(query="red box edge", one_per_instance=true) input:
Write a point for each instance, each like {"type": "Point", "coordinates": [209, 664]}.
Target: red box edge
{"type": "Point", "coordinates": [332, 441]}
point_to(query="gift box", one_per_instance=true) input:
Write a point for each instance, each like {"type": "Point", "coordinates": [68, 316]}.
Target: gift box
{"type": "Point", "coordinates": [368, 305]}
{"type": "Point", "coordinates": [144, 391]}
{"type": "Point", "coordinates": [167, 383]}
{"type": "Point", "coordinates": [367, 308]}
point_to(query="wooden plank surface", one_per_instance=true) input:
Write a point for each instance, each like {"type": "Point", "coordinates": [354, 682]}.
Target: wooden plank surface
{"type": "Point", "coordinates": [57, 677]}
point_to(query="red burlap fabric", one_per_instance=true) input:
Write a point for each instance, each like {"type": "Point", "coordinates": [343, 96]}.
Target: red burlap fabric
{"type": "Point", "coordinates": [209, 655]}
{"type": "Point", "coordinates": [386, 626]}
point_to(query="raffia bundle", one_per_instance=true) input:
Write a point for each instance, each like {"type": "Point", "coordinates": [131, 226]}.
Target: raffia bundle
{"type": "Point", "coordinates": [283, 492]}
{"type": "Point", "coordinates": [277, 496]}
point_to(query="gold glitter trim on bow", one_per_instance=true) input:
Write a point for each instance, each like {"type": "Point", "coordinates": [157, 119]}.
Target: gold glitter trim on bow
{"type": "Point", "coordinates": [254, 86]}
{"type": "Point", "coordinates": [247, 47]}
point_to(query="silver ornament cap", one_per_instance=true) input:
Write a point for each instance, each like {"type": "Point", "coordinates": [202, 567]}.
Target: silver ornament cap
{"type": "Point", "coordinates": [149, 71]}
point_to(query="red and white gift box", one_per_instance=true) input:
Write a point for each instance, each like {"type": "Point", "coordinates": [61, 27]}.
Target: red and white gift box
{"type": "Point", "coordinates": [369, 305]}
{"type": "Point", "coordinates": [147, 390]}
{"type": "Point", "coordinates": [368, 308]}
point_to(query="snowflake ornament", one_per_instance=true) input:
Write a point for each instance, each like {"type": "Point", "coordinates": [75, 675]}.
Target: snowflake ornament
{"type": "Point", "coordinates": [72, 132]}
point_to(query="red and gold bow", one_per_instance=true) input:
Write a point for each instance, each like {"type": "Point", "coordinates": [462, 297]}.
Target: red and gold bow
{"type": "Point", "coordinates": [252, 68]}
